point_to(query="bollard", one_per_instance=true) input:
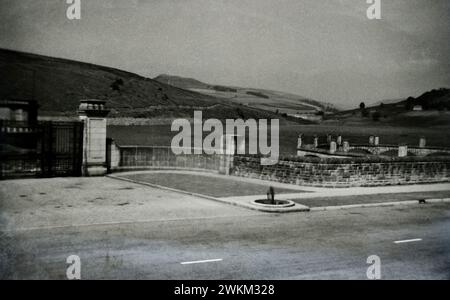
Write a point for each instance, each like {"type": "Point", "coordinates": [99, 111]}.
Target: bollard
{"type": "Point", "coordinates": [346, 146]}
{"type": "Point", "coordinates": [316, 142]}
{"type": "Point", "coordinates": [271, 195]}
{"type": "Point", "coordinates": [300, 141]}
{"type": "Point", "coordinates": [333, 147]}
{"type": "Point", "coordinates": [402, 151]}
{"type": "Point", "coordinates": [376, 140]}
{"type": "Point", "coordinates": [422, 142]}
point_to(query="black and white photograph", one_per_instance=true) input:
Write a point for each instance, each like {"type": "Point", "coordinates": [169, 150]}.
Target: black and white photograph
{"type": "Point", "coordinates": [245, 141]}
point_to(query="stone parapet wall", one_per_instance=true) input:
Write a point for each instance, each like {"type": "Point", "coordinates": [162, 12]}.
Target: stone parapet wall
{"type": "Point", "coordinates": [347, 173]}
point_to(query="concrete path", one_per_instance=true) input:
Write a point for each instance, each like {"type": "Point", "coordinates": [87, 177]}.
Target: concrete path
{"type": "Point", "coordinates": [311, 192]}
{"type": "Point", "coordinates": [339, 192]}
{"type": "Point", "coordinates": [61, 202]}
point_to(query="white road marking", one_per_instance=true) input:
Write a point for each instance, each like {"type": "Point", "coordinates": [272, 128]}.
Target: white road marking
{"type": "Point", "coordinates": [201, 261]}
{"type": "Point", "coordinates": [408, 241]}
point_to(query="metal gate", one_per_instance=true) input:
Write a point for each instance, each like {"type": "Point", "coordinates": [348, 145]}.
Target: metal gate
{"type": "Point", "coordinates": [47, 149]}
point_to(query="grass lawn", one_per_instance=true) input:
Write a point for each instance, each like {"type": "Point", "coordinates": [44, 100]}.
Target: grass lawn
{"type": "Point", "coordinates": [367, 199]}
{"type": "Point", "coordinates": [210, 186]}
{"type": "Point", "coordinates": [161, 135]}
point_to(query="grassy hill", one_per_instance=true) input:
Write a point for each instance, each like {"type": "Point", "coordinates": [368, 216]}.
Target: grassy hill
{"type": "Point", "coordinates": [438, 99]}
{"type": "Point", "coordinates": [181, 82]}
{"type": "Point", "coordinates": [435, 112]}
{"type": "Point", "coordinates": [59, 84]}
{"type": "Point", "coordinates": [256, 98]}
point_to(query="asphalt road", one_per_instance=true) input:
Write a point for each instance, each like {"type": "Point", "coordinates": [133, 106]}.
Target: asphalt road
{"type": "Point", "coordinates": [316, 245]}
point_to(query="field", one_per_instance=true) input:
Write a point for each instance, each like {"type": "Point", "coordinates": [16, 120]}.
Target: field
{"type": "Point", "coordinates": [160, 135]}
{"type": "Point", "coordinates": [256, 98]}
{"type": "Point", "coordinates": [263, 99]}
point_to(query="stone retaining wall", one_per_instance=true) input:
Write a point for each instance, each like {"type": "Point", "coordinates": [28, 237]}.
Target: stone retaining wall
{"type": "Point", "coordinates": [345, 174]}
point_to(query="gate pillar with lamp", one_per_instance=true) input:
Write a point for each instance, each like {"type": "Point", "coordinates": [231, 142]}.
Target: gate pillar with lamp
{"type": "Point", "coordinates": [93, 114]}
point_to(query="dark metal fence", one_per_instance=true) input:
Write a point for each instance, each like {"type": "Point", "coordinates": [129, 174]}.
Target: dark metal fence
{"type": "Point", "coordinates": [46, 149]}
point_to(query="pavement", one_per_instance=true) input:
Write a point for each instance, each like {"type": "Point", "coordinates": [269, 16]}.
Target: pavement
{"type": "Point", "coordinates": [123, 230]}
{"type": "Point", "coordinates": [306, 198]}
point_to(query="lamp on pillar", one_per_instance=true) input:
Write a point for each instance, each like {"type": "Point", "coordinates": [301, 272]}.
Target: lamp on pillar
{"type": "Point", "coordinates": [93, 114]}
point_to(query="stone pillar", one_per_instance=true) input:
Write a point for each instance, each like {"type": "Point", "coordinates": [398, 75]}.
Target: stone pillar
{"type": "Point", "coordinates": [346, 146]}
{"type": "Point", "coordinates": [422, 142]}
{"type": "Point", "coordinates": [93, 114]}
{"type": "Point", "coordinates": [316, 141]}
{"type": "Point", "coordinates": [300, 141]}
{"type": "Point", "coordinates": [376, 140]}
{"type": "Point", "coordinates": [402, 151]}
{"type": "Point", "coordinates": [371, 140]}
{"type": "Point", "coordinates": [333, 147]}
{"type": "Point", "coordinates": [339, 140]}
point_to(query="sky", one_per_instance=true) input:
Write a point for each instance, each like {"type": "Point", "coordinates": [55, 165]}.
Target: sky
{"type": "Point", "coordinates": [327, 50]}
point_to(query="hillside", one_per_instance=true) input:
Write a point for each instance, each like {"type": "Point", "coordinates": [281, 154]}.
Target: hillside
{"type": "Point", "coordinates": [181, 82]}
{"type": "Point", "coordinates": [435, 106]}
{"type": "Point", "coordinates": [59, 84]}
{"type": "Point", "coordinates": [257, 98]}
{"type": "Point", "coordinates": [438, 99]}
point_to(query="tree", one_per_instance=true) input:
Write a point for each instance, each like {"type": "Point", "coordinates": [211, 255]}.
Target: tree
{"type": "Point", "coordinates": [362, 106]}
{"type": "Point", "coordinates": [409, 104]}
{"type": "Point", "coordinates": [116, 84]}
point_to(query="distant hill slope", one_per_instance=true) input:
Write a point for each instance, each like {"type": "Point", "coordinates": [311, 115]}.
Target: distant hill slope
{"type": "Point", "coordinates": [250, 97]}
{"type": "Point", "coordinates": [181, 82]}
{"type": "Point", "coordinates": [438, 99]}
{"type": "Point", "coordinates": [387, 101]}
{"type": "Point", "coordinates": [435, 111]}
{"type": "Point", "coordinates": [59, 84]}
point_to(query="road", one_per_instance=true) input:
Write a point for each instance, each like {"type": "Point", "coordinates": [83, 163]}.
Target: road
{"type": "Point", "coordinates": [315, 245]}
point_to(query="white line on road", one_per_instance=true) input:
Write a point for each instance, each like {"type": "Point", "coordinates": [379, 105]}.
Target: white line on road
{"type": "Point", "coordinates": [201, 261]}
{"type": "Point", "coordinates": [408, 241]}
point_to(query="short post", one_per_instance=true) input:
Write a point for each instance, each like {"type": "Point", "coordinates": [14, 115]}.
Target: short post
{"type": "Point", "coordinates": [402, 151]}
{"type": "Point", "coordinates": [300, 141]}
{"type": "Point", "coordinates": [316, 142]}
{"type": "Point", "coordinates": [346, 146]}
{"type": "Point", "coordinates": [339, 140]}
{"type": "Point", "coordinates": [271, 195]}
{"type": "Point", "coordinates": [376, 140]}
{"type": "Point", "coordinates": [371, 140]}
{"type": "Point", "coordinates": [333, 147]}
{"type": "Point", "coordinates": [422, 142]}
{"type": "Point", "coordinates": [93, 114]}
